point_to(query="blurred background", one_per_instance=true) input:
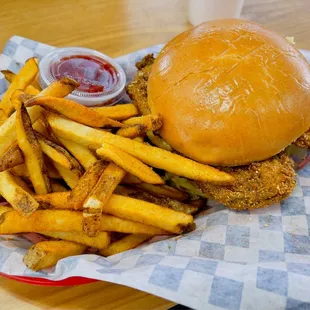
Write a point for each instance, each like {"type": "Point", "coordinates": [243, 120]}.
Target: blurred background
{"type": "Point", "coordinates": [117, 27]}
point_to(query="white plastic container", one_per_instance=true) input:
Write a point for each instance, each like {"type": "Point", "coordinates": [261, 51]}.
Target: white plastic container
{"type": "Point", "coordinates": [200, 11]}
{"type": "Point", "coordinates": [102, 80]}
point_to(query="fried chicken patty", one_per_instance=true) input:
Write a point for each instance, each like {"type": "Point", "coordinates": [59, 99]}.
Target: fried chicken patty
{"type": "Point", "coordinates": [137, 88]}
{"type": "Point", "coordinates": [304, 140]}
{"type": "Point", "coordinates": [257, 185]}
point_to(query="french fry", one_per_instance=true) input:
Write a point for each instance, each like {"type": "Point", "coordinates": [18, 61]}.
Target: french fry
{"type": "Point", "coordinates": [85, 185]}
{"type": "Point", "coordinates": [152, 122]}
{"type": "Point", "coordinates": [11, 158]}
{"type": "Point", "coordinates": [70, 177]}
{"type": "Point", "coordinates": [59, 88]}
{"type": "Point", "coordinates": [32, 151]}
{"type": "Point", "coordinates": [56, 200]}
{"type": "Point", "coordinates": [22, 171]}
{"type": "Point", "coordinates": [47, 253]}
{"type": "Point", "coordinates": [163, 191]}
{"type": "Point", "coordinates": [3, 117]}
{"type": "Point", "coordinates": [25, 76]}
{"type": "Point", "coordinates": [18, 198]}
{"type": "Point", "coordinates": [31, 89]}
{"type": "Point", "coordinates": [15, 98]}
{"type": "Point", "coordinates": [11, 222]}
{"type": "Point", "coordinates": [74, 111]}
{"type": "Point", "coordinates": [132, 131]}
{"type": "Point", "coordinates": [84, 155]}
{"type": "Point", "coordinates": [139, 139]}
{"type": "Point", "coordinates": [157, 141]}
{"type": "Point", "coordinates": [8, 132]}
{"type": "Point", "coordinates": [57, 187]}
{"type": "Point", "coordinates": [118, 112]}
{"type": "Point", "coordinates": [101, 241]}
{"type": "Point", "coordinates": [152, 156]}
{"type": "Point", "coordinates": [162, 201]}
{"type": "Point", "coordinates": [20, 182]}
{"type": "Point", "coordinates": [54, 152]}
{"type": "Point", "coordinates": [127, 243]}
{"type": "Point", "coordinates": [149, 214]}
{"type": "Point", "coordinates": [99, 195]}
{"type": "Point", "coordinates": [129, 163]}
{"type": "Point", "coordinates": [40, 127]}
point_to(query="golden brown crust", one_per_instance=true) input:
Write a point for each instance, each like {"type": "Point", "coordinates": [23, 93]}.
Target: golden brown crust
{"type": "Point", "coordinates": [257, 185]}
{"type": "Point", "coordinates": [230, 93]}
{"type": "Point", "coordinates": [137, 89]}
{"type": "Point", "coordinates": [304, 140]}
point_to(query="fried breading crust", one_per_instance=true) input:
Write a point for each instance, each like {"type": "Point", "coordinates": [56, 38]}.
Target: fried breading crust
{"type": "Point", "coordinates": [304, 140]}
{"type": "Point", "coordinates": [257, 185]}
{"type": "Point", "coordinates": [137, 88]}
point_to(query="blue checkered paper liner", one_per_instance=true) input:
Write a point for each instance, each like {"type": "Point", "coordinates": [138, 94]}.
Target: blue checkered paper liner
{"type": "Point", "coordinates": [234, 260]}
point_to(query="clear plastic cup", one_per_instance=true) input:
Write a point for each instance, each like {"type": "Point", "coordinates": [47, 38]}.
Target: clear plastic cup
{"type": "Point", "coordinates": [200, 11]}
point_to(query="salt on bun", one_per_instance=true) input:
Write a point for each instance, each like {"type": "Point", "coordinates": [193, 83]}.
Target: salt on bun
{"type": "Point", "coordinates": [230, 92]}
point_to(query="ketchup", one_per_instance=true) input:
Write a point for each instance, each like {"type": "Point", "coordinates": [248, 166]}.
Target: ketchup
{"type": "Point", "coordinates": [94, 74]}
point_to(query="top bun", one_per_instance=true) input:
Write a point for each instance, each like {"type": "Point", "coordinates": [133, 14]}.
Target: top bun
{"type": "Point", "coordinates": [230, 92]}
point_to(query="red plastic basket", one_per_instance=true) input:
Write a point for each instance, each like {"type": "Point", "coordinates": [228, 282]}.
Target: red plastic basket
{"type": "Point", "coordinates": [74, 281]}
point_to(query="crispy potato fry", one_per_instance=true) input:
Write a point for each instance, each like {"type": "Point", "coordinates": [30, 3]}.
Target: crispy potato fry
{"type": "Point", "coordinates": [129, 163]}
{"type": "Point", "coordinates": [8, 75]}
{"type": "Point", "coordinates": [162, 201]}
{"type": "Point", "coordinates": [127, 243]}
{"type": "Point", "coordinates": [47, 253]}
{"type": "Point", "coordinates": [11, 158]}
{"type": "Point", "coordinates": [25, 76]}
{"type": "Point", "coordinates": [19, 181]}
{"type": "Point", "coordinates": [139, 139]}
{"type": "Point", "coordinates": [118, 112]}
{"type": "Point", "coordinates": [57, 187]}
{"type": "Point", "coordinates": [54, 151]}
{"type": "Point", "coordinates": [132, 131]}
{"type": "Point", "coordinates": [99, 195]}
{"type": "Point", "coordinates": [3, 117]}
{"type": "Point", "coordinates": [57, 200]}
{"type": "Point", "coordinates": [149, 213]}
{"type": "Point", "coordinates": [84, 155]}
{"type": "Point", "coordinates": [131, 179]}
{"type": "Point", "coordinates": [18, 198]}
{"type": "Point", "coordinates": [8, 132]}
{"type": "Point", "coordinates": [85, 185]}
{"type": "Point", "coordinates": [152, 122]}
{"type": "Point", "coordinates": [15, 101]}
{"type": "Point", "coordinates": [158, 141]}
{"type": "Point", "coordinates": [40, 127]}
{"type": "Point", "coordinates": [22, 171]}
{"type": "Point", "coordinates": [101, 241]}
{"type": "Point", "coordinates": [61, 88]}
{"type": "Point", "coordinates": [32, 151]}
{"type": "Point", "coordinates": [31, 89]}
{"type": "Point", "coordinates": [57, 89]}
{"type": "Point", "coordinates": [70, 177]}
{"type": "Point", "coordinates": [163, 191]}
{"type": "Point", "coordinates": [152, 156]}
{"type": "Point", "coordinates": [11, 222]}
{"type": "Point", "coordinates": [74, 111]}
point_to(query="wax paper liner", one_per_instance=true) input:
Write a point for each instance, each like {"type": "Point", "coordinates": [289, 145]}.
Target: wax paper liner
{"type": "Point", "coordinates": [234, 260]}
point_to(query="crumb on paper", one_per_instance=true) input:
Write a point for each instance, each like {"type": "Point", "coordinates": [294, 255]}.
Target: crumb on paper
{"type": "Point", "coordinates": [291, 40]}
{"type": "Point", "coordinates": [169, 246]}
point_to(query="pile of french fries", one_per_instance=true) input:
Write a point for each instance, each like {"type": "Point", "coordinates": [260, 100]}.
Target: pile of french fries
{"type": "Point", "coordinates": [82, 177]}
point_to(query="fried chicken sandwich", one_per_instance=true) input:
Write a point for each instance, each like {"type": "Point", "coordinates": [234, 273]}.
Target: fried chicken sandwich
{"type": "Point", "coordinates": [234, 95]}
